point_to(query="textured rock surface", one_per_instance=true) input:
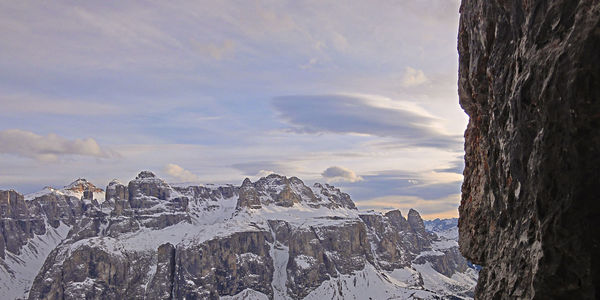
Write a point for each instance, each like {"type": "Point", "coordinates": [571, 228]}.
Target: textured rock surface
{"type": "Point", "coordinates": [224, 266]}
{"type": "Point", "coordinates": [529, 80]}
{"type": "Point", "coordinates": [16, 225]}
{"type": "Point", "coordinates": [283, 191]}
{"type": "Point", "coordinates": [395, 242]}
{"type": "Point", "coordinates": [21, 220]}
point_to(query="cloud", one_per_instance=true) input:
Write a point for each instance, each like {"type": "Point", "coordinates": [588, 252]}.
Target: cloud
{"type": "Point", "coordinates": [180, 173]}
{"type": "Point", "coordinates": [413, 77]}
{"type": "Point", "coordinates": [48, 148]}
{"type": "Point", "coordinates": [446, 207]}
{"type": "Point", "coordinates": [455, 167]}
{"type": "Point", "coordinates": [340, 174]}
{"type": "Point", "coordinates": [39, 104]}
{"type": "Point", "coordinates": [426, 185]}
{"type": "Point", "coordinates": [264, 173]}
{"type": "Point", "coordinates": [217, 51]}
{"type": "Point", "coordinates": [263, 168]}
{"type": "Point", "coordinates": [407, 123]}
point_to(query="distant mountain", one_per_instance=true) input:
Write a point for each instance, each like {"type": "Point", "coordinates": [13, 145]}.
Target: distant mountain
{"type": "Point", "coordinates": [447, 228]}
{"type": "Point", "coordinates": [275, 238]}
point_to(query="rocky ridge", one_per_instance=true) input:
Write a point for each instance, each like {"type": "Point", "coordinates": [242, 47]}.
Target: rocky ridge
{"type": "Point", "coordinates": [30, 227]}
{"type": "Point", "coordinates": [275, 238]}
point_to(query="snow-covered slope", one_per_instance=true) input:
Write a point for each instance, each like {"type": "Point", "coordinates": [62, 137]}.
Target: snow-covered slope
{"type": "Point", "coordinates": [275, 238]}
{"type": "Point", "coordinates": [447, 228]}
{"type": "Point", "coordinates": [17, 271]}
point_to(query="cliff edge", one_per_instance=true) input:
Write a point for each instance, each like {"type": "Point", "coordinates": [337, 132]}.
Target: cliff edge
{"type": "Point", "coordinates": [529, 79]}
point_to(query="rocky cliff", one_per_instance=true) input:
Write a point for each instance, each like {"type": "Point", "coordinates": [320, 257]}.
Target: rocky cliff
{"type": "Point", "coordinates": [275, 238]}
{"type": "Point", "coordinates": [30, 227]}
{"type": "Point", "coordinates": [529, 78]}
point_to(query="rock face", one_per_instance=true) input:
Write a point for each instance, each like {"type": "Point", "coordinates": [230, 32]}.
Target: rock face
{"type": "Point", "coordinates": [275, 238]}
{"type": "Point", "coordinates": [529, 78]}
{"type": "Point", "coordinates": [30, 227]}
{"type": "Point", "coordinates": [82, 185]}
{"type": "Point", "coordinates": [224, 266]}
{"type": "Point", "coordinates": [283, 191]}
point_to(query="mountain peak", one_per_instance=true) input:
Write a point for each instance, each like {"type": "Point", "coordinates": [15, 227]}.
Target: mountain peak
{"type": "Point", "coordinates": [81, 185]}
{"type": "Point", "coordinates": [414, 213]}
{"type": "Point", "coordinates": [114, 182]}
{"type": "Point", "coordinates": [395, 213]}
{"type": "Point", "coordinates": [145, 174]}
{"type": "Point", "coordinates": [275, 175]}
{"type": "Point", "coordinates": [78, 181]}
{"type": "Point", "coordinates": [246, 182]}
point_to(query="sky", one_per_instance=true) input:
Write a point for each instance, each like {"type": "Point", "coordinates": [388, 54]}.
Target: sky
{"type": "Point", "coordinates": [359, 94]}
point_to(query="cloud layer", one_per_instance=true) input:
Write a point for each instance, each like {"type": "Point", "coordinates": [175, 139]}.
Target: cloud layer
{"type": "Point", "coordinates": [349, 114]}
{"type": "Point", "coordinates": [48, 148]}
{"type": "Point", "coordinates": [441, 208]}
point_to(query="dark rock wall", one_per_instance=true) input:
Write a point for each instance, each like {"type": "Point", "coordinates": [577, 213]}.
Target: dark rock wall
{"type": "Point", "coordinates": [15, 225]}
{"type": "Point", "coordinates": [21, 220]}
{"type": "Point", "coordinates": [224, 266]}
{"type": "Point", "coordinates": [529, 79]}
{"type": "Point", "coordinates": [92, 273]}
{"type": "Point", "coordinates": [396, 242]}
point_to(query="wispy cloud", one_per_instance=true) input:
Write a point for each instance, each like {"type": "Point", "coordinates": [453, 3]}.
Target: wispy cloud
{"type": "Point", "coordinates": [351, 114]}
{"type": "Point", "coordinates": [455, 167]}
{"type": "Point", "coordinates": [413, 77]}
{"type": "Point", "coordinates": [48, 148]}
{"type": "Point", "coordinates": [36, 104]}
{"type": "Point", "coordinates": [428, 186]}
{"type": "Point", "coordinates": [335, 174]}
{"type": "Point", "coordinates": [263, 168]}
{"type": "Point", "coordinates": [217, 51]}
{"type": "Point", "coordinates": [446, 207]}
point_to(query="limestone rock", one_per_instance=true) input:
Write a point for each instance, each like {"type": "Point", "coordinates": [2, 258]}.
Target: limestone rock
{"type": "Point", "coordinates": [398, 241]}
{"type": "Point", "coordinates": [145, 189]}
{"type": "Point", "coordinates": [224, 266]}
{"type": "Point", "coordinates": [248, 196]}
{"type": "Point", "coordinates": [282, 191]}
{"type": "Point", "coordinates": [529, 73]}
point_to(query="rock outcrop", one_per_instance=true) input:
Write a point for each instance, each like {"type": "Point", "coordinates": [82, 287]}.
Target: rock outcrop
{"type": "Point", "coordinates": [283, 191]}
{"type": "Point", "coordinates": [529, 78]}
{"type": "Point", "coordinates": [17, 225]}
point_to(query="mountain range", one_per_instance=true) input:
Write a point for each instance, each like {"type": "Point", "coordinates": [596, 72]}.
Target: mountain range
{"type": "Point", "coordinates": [275, 238]}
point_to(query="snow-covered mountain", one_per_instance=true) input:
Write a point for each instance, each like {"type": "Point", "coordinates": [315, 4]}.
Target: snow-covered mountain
{"type": "Point", "coordinates": [31, 226]}
{"type": "Point", "coordinates": [275, 238]}
{"type": "Point", "coordinates": [446, 228]}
